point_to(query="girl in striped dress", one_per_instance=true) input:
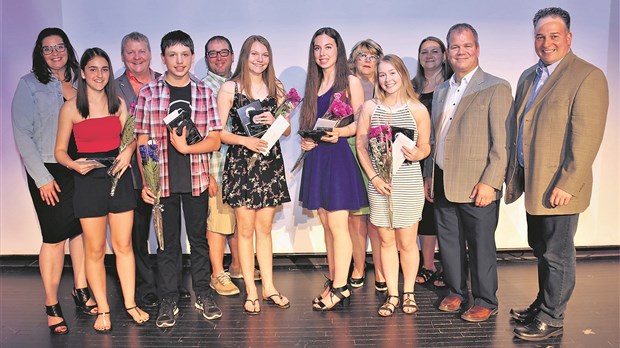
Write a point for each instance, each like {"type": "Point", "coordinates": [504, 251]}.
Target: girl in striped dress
{"type": "Point", "coordinates": [396, 206]}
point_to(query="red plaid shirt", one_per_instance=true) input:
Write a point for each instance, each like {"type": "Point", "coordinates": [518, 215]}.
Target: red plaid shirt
{"type": "Point", "coordinates": [152, 107]}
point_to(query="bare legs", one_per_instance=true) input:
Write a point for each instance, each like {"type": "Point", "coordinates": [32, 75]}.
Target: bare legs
{"type": "Point", "coordinates": [217, 243]}
{"type": "Point", "coordinates": [339, 248]}
{"type": "Point", "coordinates": [359, 227]}
{"type": "Point", "coordinates": [260, 221]}
{"type": "Point", "coordinates": [94, 247]}
{"type": "Point", "coordinates": [409, 257]}
{"type": "Point", "coordinates": [51, 262]}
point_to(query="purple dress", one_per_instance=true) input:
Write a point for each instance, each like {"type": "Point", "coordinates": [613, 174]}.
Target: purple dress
{"type": "Point", "coordinates": [331, 178]}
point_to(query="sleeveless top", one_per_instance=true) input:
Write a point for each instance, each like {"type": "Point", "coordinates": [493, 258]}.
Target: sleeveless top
{"type": "Point", "coordinates": [98, 134]}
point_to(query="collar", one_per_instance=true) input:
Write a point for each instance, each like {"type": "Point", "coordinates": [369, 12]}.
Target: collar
{"type": "Point", "coordinates": [217, 77]}
{"type": "Point", "coordinates": [465, 80]}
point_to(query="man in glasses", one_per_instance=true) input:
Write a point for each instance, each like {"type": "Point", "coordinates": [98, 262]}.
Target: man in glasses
{"type": "Point", "coordinates": [221, 221]}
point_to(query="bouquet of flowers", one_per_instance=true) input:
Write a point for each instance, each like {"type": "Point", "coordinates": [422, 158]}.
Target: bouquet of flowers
{"type": "Point", "coordinates": [288, 106]}
{"type": "Point", "coordinates": [339, 112]}
{"type": "Point", "coordinates": [150, 164]}
{"type": "Point", "coordinates": [380, 143]}
{"type": "Point", "coordinates": [127, 137]}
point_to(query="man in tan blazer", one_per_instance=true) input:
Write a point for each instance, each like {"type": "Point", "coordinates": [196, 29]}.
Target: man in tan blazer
{"type": "Point", "coordinates": [470, 155]}
{"type": "Point", "coordinates": [561, 107]}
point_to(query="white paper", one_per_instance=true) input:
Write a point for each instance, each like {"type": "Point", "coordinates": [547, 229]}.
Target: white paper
{"type": "Point", "coordinates": [398, 157]}
{"type": "Point", "coordinates": [323, 123]}
{"type": "Point", "coordinates": [275, 131]}
{"type": "Point", "coordinates": [96, 163]}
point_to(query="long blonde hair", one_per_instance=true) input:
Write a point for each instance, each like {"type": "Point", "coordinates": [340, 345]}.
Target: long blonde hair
{"type": "Point", "coordinates": [406, 91]}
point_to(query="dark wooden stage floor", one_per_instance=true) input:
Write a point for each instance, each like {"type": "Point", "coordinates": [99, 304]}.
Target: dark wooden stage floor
{"type": "Point", "coordinates": [592, 318]}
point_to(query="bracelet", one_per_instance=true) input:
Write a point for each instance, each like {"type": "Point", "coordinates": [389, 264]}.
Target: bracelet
{"type": "Point", "coordinates": [373, 177]}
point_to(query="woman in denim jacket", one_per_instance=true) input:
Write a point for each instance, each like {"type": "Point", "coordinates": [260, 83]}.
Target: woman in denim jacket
{"type": "Point", "coordinates": [34, 111]}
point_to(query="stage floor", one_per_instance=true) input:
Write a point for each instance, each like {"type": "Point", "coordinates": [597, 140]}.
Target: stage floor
{"type": "Point", "coordinates": [592, 317]}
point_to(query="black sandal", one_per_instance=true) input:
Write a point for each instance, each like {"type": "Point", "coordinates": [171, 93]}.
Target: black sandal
{"type": "Point", "coordinates": [81, 297]}
{"type": "Point", "coordinates": [389, 306]}
{"type": "Point", "coordinates": [103, 317]}
{"type": "Point", "coordinates": [426, 274]}
{"type": "Point", "coordinates": [345, 299]}
{"type": "Point", "coordinates": [142, 319]}
{"type": "Point", "coordinates": [253, 311]}
{"type": "Point", "coordinates": [327, 285]}
{"type": "Point", "coordinates": [439, 279]}
{"type": "Point", "coordinates": [56, 311]}
{"type": "Point", "coordinates": [270, 300]}
{"type": "Point", "coordinates": [409, 302]}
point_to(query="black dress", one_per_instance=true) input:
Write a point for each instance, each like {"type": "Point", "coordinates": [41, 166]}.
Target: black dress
{"type": "Point", "coordinates": [264, 185]}
{"type": "Point", "coordinates": [427, 224]}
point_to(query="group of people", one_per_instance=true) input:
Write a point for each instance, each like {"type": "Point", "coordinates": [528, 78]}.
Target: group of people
{"type": "Point", "coordinates": [464, 135]}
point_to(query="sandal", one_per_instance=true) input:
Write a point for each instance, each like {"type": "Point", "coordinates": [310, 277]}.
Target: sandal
{"type": "Point", "coordinates": [104, 328]}
{"type": "Point", "coordinates": [142, 319]}
{"type": "Point", "coordinates": [56, 311]}
{"type": "Point", "coordinates": [409, 303]}
{"type": "Point", "coordinates": [253, 303]}
{"type": "Point", "coordinates": [439, 281]}
{"type": "Point", "coordinates": [270, 300]}
{"type": "Point", "coordinates": [326, 286]}
{"type": "Point", "coordinates": [387, 309]}
{"type": "Point", "coordinates": [425, 275]}
{"type": "Point", "coordinates": [81, 298]}
{"type": "Point", "coordinates": [343, 294]}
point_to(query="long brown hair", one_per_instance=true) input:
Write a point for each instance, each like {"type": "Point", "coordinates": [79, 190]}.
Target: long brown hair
{"type": "Point", "coordinates": [315, 76]}
{"type": "Point", "coordinates": [242, 71]}
{"type": "Point", "coordinates": [419, 80]}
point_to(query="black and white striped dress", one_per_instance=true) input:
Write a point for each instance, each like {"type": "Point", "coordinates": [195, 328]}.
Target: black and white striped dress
{"type": "Point", "coordinates": [407, 184]}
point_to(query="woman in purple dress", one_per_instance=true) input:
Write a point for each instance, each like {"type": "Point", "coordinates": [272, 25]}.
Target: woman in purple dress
{"type": "Point", "coordinates": [331, 181]}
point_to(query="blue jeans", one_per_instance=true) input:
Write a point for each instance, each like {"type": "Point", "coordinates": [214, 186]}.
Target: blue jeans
{"type": "Point", "coordinates": [551, 238]}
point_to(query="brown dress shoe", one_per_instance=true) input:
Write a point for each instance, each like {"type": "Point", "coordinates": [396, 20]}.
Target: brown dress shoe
{"type": "Point", "coordinates": [450, 304]}
{"type": "Point", "coordinates": [477, 314]}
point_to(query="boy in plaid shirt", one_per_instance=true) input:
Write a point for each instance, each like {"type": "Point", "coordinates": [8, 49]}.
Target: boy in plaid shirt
{"type": "Point", "coordinates": [184, 171]}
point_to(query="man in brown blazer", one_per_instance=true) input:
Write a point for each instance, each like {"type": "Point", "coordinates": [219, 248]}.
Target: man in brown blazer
{"type": "Point", "coordinates": [470, 154]}
{"type": "Point", "coordinates": [561, 107]}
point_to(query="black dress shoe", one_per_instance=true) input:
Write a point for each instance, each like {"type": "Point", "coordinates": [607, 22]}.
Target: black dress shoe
{"type": "Point", "coordinates": [537, 331]}
{"type": "Point", "coordinates": [183, 293]}
{"type": "Point", "coordinates": [525, 316]}
{"type": "Point", "coordinates": [150, 300]}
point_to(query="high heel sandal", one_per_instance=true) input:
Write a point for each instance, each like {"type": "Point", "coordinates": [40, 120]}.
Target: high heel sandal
{"type": "Point", "coordinates": [358, 282]}
{"type": "Point", "coordinates": [409, 302]}
{"type": "Point", "coordinates": [327, 285]}
{"type": "Point", "coordinates": [345, 300]}
{"type": "Point", "coordinates": [81, 297]}
{"type": "Point", "coordinates": [142, 319]}
{"type": "Point", "coordinates": [104, 329]}
{"type": "Point", "coordinates": [388, 306]}
{"type": "Point", "coordinates": [56, 311]}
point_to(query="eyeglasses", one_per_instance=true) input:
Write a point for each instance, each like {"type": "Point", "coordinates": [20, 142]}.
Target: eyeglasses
{"type": "Point", "coordinates": [367, 57]}
{"type": "Point", "coordinates": [47, 50]}
{"type": "Point", "coordinates": [223, 53]}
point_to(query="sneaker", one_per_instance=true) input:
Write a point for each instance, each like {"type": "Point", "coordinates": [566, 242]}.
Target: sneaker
{"type": "Point", "coordinates": [209, 308]}
{"type": "Point", "coordinates": [223, 285]}
{"type": "Point", "coordinates": [167, 313]}
{"type": "Point", "coordinates": [236, 273]}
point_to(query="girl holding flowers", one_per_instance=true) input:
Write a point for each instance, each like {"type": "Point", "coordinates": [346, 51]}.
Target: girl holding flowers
{"type": "Point", "coordinates": [396, 196]}
{"type": "Point", "coordinates": [254, 191]}
{"type": "Point", "coordinates": [331, 181]}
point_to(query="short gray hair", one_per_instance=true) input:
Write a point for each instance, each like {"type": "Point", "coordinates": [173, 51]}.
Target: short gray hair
{"type": "Point", "coordinates": [135, 36]}
{"type": "Point", "coordinates": [459, 27]}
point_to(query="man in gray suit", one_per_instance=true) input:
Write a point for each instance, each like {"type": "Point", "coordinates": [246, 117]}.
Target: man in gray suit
{"type": "Point", "coordinates": [136, 55]}
{"type": "Point", "coordinates": [470, 155]}
{"type": "Point", "coordinates": [561, 105]}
